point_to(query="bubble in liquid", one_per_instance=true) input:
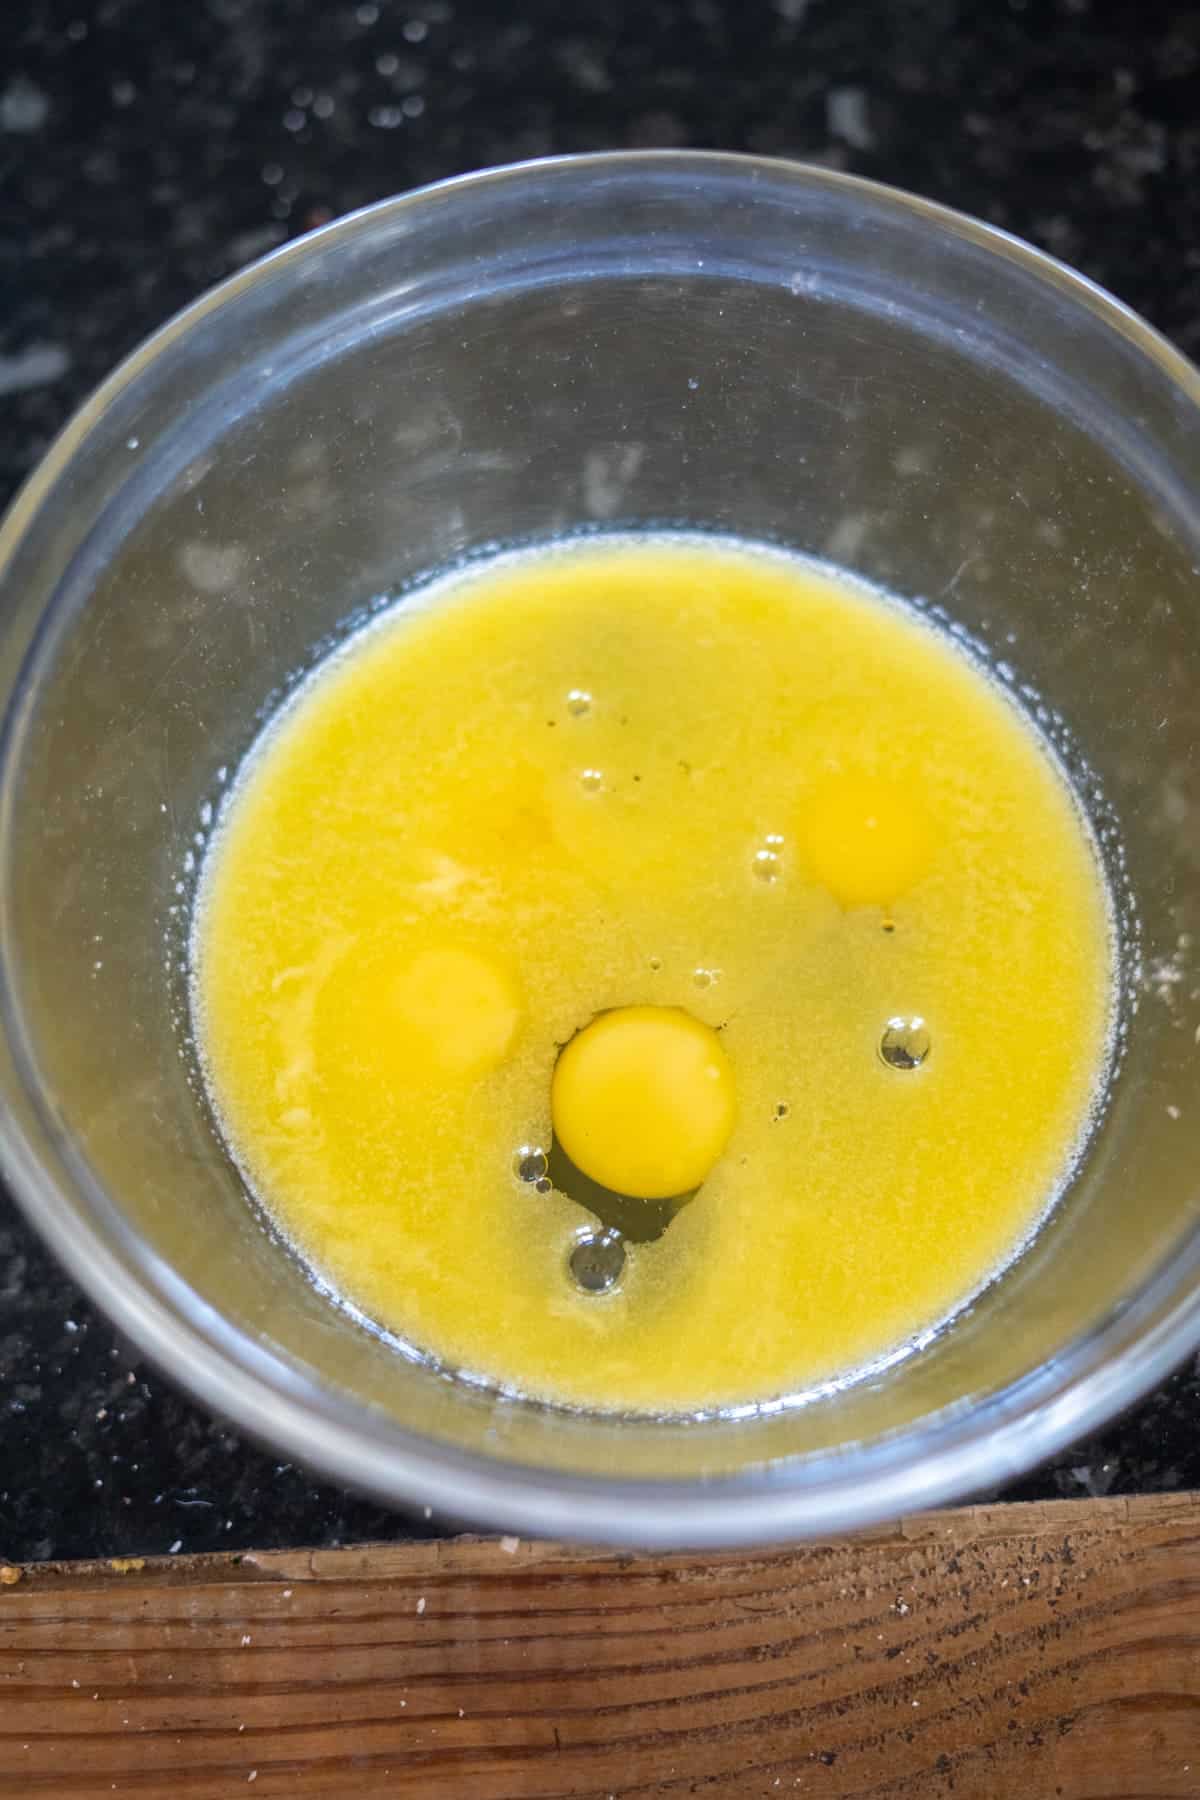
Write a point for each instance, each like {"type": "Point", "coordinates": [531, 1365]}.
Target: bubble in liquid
{"type": "Point", "coordinates": [905, 1043]}
{"type": "Point", "coordinates": [596, 1261]}
{"type": "Point", "coordinates": [579, 701]}
{"type": "Point", "coordinates": [766, 865]}
{"type": "Point", "coordinates": [704, 978]}
{"type": "Point", "coordinates": [530, 1163]}
{"type": "Point", "coordinates": [591, 780]}
{"type": "Point", "coordinates": [656, 963]}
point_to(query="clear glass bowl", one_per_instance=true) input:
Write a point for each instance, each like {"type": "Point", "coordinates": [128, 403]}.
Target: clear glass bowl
{"type": "Point", "coordinates": [755, 346]}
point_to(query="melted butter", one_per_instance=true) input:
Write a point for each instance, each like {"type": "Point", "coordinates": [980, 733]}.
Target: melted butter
{"type": "Point", "coordinates": [672, 772]}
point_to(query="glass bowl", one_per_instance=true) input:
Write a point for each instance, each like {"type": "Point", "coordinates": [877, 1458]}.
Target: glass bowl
{"type": "Point", "coordinates": [719, 341]}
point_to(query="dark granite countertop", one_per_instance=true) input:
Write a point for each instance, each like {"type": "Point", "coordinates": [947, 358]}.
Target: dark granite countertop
{"type": "Point", "coordinates": [146, 151]}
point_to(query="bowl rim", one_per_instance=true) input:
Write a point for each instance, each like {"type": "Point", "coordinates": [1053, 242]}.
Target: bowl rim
{"type": "Point", "coordinates": [958, 1448]}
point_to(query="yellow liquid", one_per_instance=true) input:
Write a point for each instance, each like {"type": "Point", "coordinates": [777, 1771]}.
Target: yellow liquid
{"type": "Point", "coordinates": [437, 867]}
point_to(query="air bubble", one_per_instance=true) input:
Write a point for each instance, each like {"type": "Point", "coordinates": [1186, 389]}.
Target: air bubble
{"type": "Point", "coordinates": [596, 1261]}
{"type": "Point", "coordinates": [579, 701]}
{"type": "Point", "coordinates": [530, 1163]}
{"type": "Point", "coordinates": [905, 1043]}
{"type": "Point", "coordinates": [766, 865]}
{"type": "Point", "coordinates": [591, 780]}
{"type": "Point", "coordinates": [656, 963]}
{"type": "Point", "coordinates": [704, 978]}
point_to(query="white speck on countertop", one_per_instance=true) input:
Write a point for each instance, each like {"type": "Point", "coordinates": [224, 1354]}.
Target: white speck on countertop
{"type": "Point", "coordinates": [37, 366]}
{"type": "Point", "coordinates": [608, 478]}
{"type": "Point", "coordinates": [213, 568]}
{"type": "Point", "coordinates": [846, 117]}
{"type": "Point", "coordinates": [23, 107]}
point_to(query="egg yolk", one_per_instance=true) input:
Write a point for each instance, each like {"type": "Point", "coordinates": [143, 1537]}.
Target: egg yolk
{"type": "Point", "coordinates": [643, 1101]}
{"type": "Point", "coordinates": [865, 838]}
{"type": "Point", "coordinates": [455, 1013]}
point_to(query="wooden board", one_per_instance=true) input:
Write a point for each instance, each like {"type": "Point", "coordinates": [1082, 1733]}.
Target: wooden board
{"type": "Point", "coordinates": [1016, 1650]}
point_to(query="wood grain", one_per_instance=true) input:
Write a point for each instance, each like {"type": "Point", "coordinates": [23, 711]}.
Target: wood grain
{"type": "Point", "coordinates": [1018, 1650]}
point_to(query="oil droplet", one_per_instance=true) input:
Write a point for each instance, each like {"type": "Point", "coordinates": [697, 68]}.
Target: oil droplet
{"type": "Point", "coordinates": [579, 701]}
{"type": "Point", "coordinates": [905, 1043]}
{"type": "Point", "coordinates": [766, 865]}
{"type": "Point", "coordinates": [530, 1163]}
{"type": "Point", "coordinates": [591, 780]}
{"type": "Point", "coordinates": [596, 1261]}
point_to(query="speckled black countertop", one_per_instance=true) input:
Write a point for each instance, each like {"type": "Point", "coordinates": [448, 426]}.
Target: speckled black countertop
{"type": "Point", "coordinates": [147, 150]}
